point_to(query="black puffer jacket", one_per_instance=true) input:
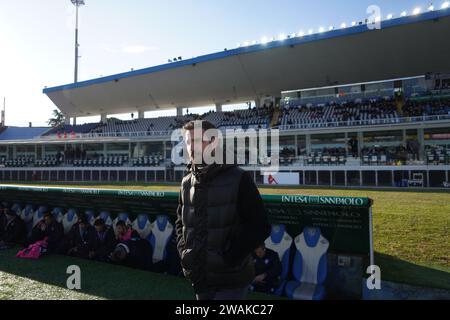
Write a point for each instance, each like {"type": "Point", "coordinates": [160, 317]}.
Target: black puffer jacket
{"type": "Point", "coordinates": [221, 220]}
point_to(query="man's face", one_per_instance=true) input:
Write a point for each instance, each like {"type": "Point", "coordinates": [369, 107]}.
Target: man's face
{"type": "Point", "coordinates": [193, 142]}
{"type": "Point", "coordinates": [100, 228]}
{"type": "Point", "coordinates": [260, 252]}
{"type": "Point", "coordinates": [83, 226]}
{"type": "Point", "coordinates": [48, 220]}
{"type": "Point", "coordinates": [120, 230]}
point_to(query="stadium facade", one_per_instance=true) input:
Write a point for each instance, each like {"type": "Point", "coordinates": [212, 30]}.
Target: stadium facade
{"type": "Point", "coordinates": [356, 107]}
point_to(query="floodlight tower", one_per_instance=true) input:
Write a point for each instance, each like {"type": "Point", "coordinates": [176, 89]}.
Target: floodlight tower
{"type": "Point", "coordinates": [77, 4]}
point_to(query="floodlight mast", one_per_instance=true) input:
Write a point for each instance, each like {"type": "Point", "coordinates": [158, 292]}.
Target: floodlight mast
{"type": "Point", "coordinates": [77, 4]}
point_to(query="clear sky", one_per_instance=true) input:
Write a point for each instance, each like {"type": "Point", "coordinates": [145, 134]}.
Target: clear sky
{"type": "Point", "coordinates": [37, 37]}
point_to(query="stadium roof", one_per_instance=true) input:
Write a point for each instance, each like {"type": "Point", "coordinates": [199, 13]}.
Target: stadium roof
{"type": "Point", "coordinates": [403, 47]}
{"type": "Point", "coordinates": [19, 133]}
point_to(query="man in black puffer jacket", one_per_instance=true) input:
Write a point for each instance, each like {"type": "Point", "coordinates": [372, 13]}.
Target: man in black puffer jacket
{"type": "Point", "coordinates": [221, 219]}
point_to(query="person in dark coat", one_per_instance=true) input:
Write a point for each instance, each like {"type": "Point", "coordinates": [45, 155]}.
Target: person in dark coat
{"type": "Point", "coordinates": [133, 253]}
{"type": "Point", "coordinates": [221, 219]}
{"type": "Point", "coordinates": [12, 229]}
{"type": "Point", "coordinates": [267, 270]}
{"type": "Point", "coordinates": [104, 241]}
{"type": "Point", "coordinates": [80, 240]}
{"type": "Point", "coordinates": [50, 228]}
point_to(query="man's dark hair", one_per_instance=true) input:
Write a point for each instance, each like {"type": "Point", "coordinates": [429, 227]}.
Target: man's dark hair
{"type": "Point", "coordinates": [83, 220]}
{"type": "Point", "coordinates": [99, 222]}
{"type": "Point", "coordinates": [121, 223]}
{"type": "Point", "coordinates": [48, 215]}
{"type": "Point", "coordinates": [206, 125]}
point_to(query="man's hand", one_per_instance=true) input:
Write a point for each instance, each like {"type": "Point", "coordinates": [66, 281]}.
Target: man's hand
{"type": "Point", "coordinates": [260, 278]}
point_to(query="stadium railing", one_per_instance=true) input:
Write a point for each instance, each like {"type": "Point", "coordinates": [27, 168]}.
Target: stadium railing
{"type": "Point", "coordinates": [167, 133]}
{"type": "Point", "coordinates": [358, 123]}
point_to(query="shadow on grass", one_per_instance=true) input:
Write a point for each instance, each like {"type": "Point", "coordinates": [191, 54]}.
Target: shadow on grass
{"type": "Point", "coordinates": [400, 271]}
{"type": "Point", "coordinates": [101, 279]}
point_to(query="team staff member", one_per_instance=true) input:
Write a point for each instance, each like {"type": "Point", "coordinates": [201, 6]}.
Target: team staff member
{"type": "Point", "coordinates": [12, 229]}
{"type": "Point", "coordinates": [221, 219]}
{"type": "Point", "coordinates": [267, 269]}
{"type": "Point", "coordinates": [50, 228]}
{"type": "Point", "coordinates": [104, 242]}
{"type": "Point", "coordinates": [80, 241]}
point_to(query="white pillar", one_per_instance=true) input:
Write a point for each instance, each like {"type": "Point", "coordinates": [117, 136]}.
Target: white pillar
{"type": "Point", "coordinates": [179, 111]}
{"type": "Point", "coordinates": [74, 121]}
{"type": "Point", "coordinates": [141, 114]}
{"type": "Point", "coordinates": [257, 103]}
{"type": "Point", "coordinates": [308, 143]}
{"type": "Point", "coordinates": [103, 117]}
{"type": "Point", "coordinates": [67, 120]}
{"type": "Point", "coordinates": [421, 138]}
{"type": "Point", "coordinates": [218, 107]}
{"type": "Point", "coordinates": [360, 142]}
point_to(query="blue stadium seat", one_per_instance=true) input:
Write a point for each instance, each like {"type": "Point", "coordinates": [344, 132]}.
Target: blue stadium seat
{"type": "Point", "coordinates": [106, 216]}
{"type": "Point", "coordinates": [142, 225]}
{"type": "Point", "coordinates": [69, 219]}
{"type": "Point", "coordinates": [16, 208]}
{"type": "Point", "coordinates": [280, 242]}
{"type": "Point", "coordinates": [160, 236]}
{"type": "Point", "coordinates": [27, 217]}
{"type": "Point", "coordinates": [38, 215]}
{"type": "Point", "coordinates": [58, 214]}
{"type": "Point", "coordinates": [309, 267]}
{"type": "Point", "coordinates": [90, 215]}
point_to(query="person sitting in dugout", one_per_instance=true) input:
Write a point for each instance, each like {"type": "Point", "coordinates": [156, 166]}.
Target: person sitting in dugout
{"type": "Point", "coordinates": [48, 228]}
{"type": "Point", "coordinates": [80, 240]}
{"type": "Point", "coordinates": [12, 229]}
{"type": "Point", "coordinates": [104, 241]}
{"type": "Point", "coordinates": [267, 270]}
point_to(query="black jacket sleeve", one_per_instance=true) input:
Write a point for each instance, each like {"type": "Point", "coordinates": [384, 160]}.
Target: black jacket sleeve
{"type": "Point", "coordinates": [255, 224]}
{"type": "Point", "coordinates": [15, 232]}
{"type": "Point", "coordinates": [275, 268]}
{"type": "Point", "coordinates": [179, 226]}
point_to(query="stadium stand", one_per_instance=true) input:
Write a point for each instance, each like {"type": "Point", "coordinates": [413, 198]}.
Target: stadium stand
{"type": "Point", "coordinates": [317, 116]}
{"type": "Point", "coordinates": [113, 161]}
{"type": "Point", "coordinates": [426, 108]}
{"type": "Point", "coordinates": [149, 125]}
{"type": "Point", "coordinates": [251, 118]}
{"type": "Point", "coordinates": [292, 115]}
{"type": "Point", "coordinates": [155, 159]}
{"type": "Point", "coordinates": [327, 156]}
{"type": "Point", "coordinates": [438, 155]}
{"type": "Point", "coordinates": [72, 129]}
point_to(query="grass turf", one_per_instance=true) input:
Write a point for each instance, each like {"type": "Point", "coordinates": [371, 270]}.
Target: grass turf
{"type": "Point", "coordinates": [411, 230]}
{"type": "Point", "coordinates": [45, 279]}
